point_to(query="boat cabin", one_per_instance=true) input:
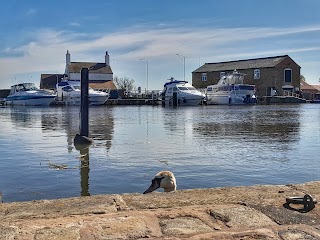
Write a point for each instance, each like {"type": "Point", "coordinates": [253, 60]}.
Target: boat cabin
{"type": "Point", "coordinates": [22, 87]}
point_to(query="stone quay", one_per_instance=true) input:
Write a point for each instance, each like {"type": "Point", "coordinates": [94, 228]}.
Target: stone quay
{"type": "Point", "coordinates": [254, 212]}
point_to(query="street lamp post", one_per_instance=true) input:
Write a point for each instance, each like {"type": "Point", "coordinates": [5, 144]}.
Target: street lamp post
{"type": "Point", "coordinates": [184, 65]}
{"type": "Point", "coordinates": [147, 71]}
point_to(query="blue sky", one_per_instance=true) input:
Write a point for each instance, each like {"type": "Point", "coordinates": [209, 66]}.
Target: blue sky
{"type": "Point", "coordinates": [36, 34]}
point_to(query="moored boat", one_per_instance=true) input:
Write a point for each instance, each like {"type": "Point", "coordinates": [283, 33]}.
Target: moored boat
{"type": "Point", "coordinates": [69, 92]}
{"type": "Point", "coordinates": [230, 90]}
{"type": "Point", "coordinates": [182, 92]}
{"type": "Point", "coordinates": [27, 94]}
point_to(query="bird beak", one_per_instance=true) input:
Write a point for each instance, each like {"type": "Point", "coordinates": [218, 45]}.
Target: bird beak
{"type": "Point", "coordinates": [155, 184]}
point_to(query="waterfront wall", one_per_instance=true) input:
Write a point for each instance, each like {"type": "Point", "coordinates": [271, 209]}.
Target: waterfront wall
{"type": "Point", "coordinates": [257, 212]}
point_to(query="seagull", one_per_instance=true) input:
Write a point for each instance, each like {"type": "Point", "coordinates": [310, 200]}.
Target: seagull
{"type": "Point", "coordinates": [165, 180]}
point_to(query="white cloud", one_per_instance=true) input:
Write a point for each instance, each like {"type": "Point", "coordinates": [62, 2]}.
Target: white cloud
{"type": "Point", "coordinates": [46, 53]}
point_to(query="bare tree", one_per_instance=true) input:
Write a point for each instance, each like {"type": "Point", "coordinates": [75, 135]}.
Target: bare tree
{"type": "Point", "coordinates": [124, 83]}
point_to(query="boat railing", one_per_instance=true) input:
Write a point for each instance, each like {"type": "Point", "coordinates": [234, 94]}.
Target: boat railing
{"type": "Point", "coordinates": [287, 93]}
{"type": "Point", "coordinates": [136, 94]}
{"type": "Point", "coordinates": [202, 90]}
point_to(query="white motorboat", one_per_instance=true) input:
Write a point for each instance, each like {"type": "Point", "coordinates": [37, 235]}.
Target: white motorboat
{"type": "Point", "coordinates": [182, 92]}
{"type": "Point", "coordinates": [69, 92]}
{"type": "Point", "coordinates": [27, 94]}
{"type": "Point", "coordinates": [230, 90]}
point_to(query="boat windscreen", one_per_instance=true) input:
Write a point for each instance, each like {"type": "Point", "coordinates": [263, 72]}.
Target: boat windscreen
{"type": "Point", "coordinates": [191, 88]}
{"type": "Point", "coordinates": [183, 88]}
{"type": "Point", "coordinates": [29, 86]}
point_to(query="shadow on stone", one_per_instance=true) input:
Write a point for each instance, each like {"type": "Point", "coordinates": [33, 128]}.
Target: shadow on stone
{"type": "Point", "coordinates": [304, 209]}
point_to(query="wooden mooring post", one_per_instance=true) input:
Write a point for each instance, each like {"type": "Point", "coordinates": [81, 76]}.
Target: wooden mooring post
{"type": "Point", "coordinates": [83, 138]}
{"type": "Point", "coordinates": [175, 99]}
{"type": "Point", "coordinates": [84, 107]}
{"type": "Point", "coordinates": [163, 99]}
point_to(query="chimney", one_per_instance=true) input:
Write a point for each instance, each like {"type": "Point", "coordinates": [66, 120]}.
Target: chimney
{"type": "Point", "coordinates": [68, 60]}
{"type": "Point", "coordinates": [107, 60]}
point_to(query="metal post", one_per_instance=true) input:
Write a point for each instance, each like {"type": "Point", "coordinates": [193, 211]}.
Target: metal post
{"type": "Point", "coordinates": [147, 75]}
{"type": "Point", "coordinates": [147, 72]}
{"type": "Point", "coordinates": [184, 66]}
{"type": "Point", "coordinates": [84, 107]}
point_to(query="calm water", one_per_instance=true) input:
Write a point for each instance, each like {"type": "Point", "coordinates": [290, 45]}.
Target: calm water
{"type": "Point", "coordinates": [208, 146]}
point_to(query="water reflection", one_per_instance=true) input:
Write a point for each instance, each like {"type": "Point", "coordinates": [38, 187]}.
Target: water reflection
{"type": "Point", "coordinates": [205, 146]}
{"type": "Point", "coordinates": [25, 117]}
{"type": "Point", "coordinates": [276, 126]}
{"type": "Point", "coordinates": [84, 171]}
{"type": "Point", "coordinates": [53, 131]}
{"type": "Point", "coordinates": [101, 124]}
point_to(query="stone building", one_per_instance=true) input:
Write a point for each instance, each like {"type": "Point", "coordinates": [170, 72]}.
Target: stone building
{"type": "Point", "coordinates": [100, 74]}
{"type": "Point", "coordinates": [277, 73]}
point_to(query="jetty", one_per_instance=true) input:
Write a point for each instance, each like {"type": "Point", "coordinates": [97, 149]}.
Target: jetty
{"type": "Point", "coordinates": [281, 100]}
{"type": "Point", "coordinates": [287, 97]}
{"type": "Point", "coordinates": [255, 212]}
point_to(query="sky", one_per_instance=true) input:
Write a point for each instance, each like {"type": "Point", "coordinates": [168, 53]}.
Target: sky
{"type": "Point", "coordinates": [150, 41]}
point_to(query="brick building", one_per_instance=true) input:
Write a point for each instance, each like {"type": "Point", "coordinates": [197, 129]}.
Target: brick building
{"type": "Point", "coordinates": [278, 73]}
{"type": "Point", "coordinates": [310, 92]}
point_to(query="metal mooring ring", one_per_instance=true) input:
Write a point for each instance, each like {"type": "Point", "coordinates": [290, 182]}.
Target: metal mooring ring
{"type": "Point", "coordinates": [306, 200]}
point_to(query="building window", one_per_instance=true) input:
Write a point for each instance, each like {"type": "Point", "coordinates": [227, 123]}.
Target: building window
{"type": "Point", "coordinates": [256, 74]}
{"type": "Point", "coordinates": [204, 77]}
{"type": "Point", "coordinates": [222, 74]}
{"type": "Point", "coordinates": [288, 75]}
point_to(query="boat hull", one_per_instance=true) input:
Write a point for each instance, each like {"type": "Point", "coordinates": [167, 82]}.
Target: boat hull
{"type": "Point", "coordinates": [230, 99]}
{"type": "Point", "coordinates": [93, 100]}
{"type": "Point", "coordinates": [28, 101]}
{"type": "Point", "coordinates": [184, 101]}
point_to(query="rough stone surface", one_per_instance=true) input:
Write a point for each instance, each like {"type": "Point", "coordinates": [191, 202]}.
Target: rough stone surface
{"type": "Point", "coordinates": [183, 226]}
{"type": "Point", "coordinates": [242, 213]}
{"type": "Point", "coordinates": [242, 217]}
{"type": "Point", "coordinates": [47, 233]}
{"type": "Point", "coordinates": [296, 234]}
{"type": "Point", "coordinates": [119, 227]}
{"type": "Point", "coordinates": [8, 232]}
